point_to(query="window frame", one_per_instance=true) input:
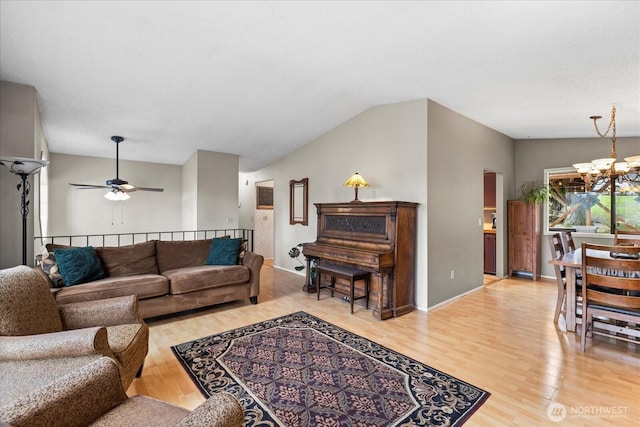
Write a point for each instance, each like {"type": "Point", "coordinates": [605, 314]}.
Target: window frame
{"type": "Point", "coordinates": [612, 222]}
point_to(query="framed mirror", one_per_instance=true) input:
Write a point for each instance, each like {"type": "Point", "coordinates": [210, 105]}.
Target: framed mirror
{"type": "Point", "coordinates": [299, 201]}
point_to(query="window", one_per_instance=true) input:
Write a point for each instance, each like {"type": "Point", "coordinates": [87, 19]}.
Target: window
{"type": "Point", "coordinates": [591, 209]}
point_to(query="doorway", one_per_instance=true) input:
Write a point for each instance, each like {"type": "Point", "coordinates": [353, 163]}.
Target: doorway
{"type": "Point", "coordinates": [493, 226]}
{"type": "Point", "coordinates": [263, 219]}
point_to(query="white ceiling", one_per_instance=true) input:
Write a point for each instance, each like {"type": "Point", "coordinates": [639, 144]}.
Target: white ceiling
{"type": "Point", "coordinates": [260, 79]}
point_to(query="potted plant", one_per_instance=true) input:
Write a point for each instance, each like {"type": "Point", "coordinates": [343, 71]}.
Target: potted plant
{"type": "Point", "coordinates": [294, 252]}
{"type": "Point", "coordinates": [534, 192]}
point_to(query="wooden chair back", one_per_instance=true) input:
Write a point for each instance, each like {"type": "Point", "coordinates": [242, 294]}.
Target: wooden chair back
{"type": "Point", "coordinates": [557, 250]}
{"type": "Point", "coordinates": [610, 288]}
{"type": "Point", "coordinates": [630, 238]}
{"type": "Point", "coordinates": [623, 241]}
{"type": "Point", "coordinates": [569, 244]}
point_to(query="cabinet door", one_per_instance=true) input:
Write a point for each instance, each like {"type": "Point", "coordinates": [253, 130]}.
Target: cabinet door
{"type": "Point", "coordinates": [524, 237]}
{"type": "Point", "coordinates": [489, 190]}
{"type": "Point", "coordinates": [490, 253]}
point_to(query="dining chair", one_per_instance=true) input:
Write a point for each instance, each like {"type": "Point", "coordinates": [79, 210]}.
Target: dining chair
{"type": "Point", "coordinates": [627, 242]}
{"type": "Point", "coordinates": [615, 297]}
{"type": "Point", "coordinates": [567, 241]}
{"type": "Point", "coordinates": [629, 238]}
{"type": "Point", "coordinates": [570, 246]}
{"type": "Point", "coordinates": [557, 250]}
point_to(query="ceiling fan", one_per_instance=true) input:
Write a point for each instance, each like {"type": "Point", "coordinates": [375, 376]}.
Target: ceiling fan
{"type": "Point", "coordinates": [118, 188]}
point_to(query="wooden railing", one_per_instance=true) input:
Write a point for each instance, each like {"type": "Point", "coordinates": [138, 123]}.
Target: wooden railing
{"type": "Point", "coordinates": [123, 239]}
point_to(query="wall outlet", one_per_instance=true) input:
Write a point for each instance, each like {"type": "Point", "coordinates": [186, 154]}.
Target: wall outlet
{"type": "Point", "coordinates": [452, 275]}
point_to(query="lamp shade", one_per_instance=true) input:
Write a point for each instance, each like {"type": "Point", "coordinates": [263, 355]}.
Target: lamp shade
{"type": "Point", "coordinates": [22, 165]}
{"type": "Point", "coordinates": [116, 195]}
{"type": "Point", "coordinates": [356, 181]}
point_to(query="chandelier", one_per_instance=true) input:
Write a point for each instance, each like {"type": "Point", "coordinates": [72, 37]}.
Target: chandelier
{"type": "Point", "coordinates": [607, 168]}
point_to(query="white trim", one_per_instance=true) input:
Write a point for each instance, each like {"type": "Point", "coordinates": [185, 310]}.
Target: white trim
{"type": "Point", "coordinates": [450, 300]}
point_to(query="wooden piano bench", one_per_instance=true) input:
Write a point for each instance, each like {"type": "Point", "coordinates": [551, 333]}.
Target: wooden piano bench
{"type": "Point", "coordinates": [343, 272]}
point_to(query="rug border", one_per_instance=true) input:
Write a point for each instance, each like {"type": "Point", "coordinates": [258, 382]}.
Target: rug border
{"type": "Point", "coordinates": [460, 421]}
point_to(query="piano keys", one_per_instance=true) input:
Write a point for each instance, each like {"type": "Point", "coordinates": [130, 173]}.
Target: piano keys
{"type": "Point", "coordinates": [378, 237]}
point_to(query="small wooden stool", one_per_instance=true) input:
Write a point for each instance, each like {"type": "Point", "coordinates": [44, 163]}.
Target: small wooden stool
{"type": "Point", "coordinates": [343, 272]}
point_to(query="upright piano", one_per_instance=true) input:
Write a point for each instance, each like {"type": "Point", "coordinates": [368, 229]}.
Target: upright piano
{"type": "Point", "coordinates": [378, 237]}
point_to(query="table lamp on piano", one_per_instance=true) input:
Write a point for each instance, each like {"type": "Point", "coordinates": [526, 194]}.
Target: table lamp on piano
{"type": "Point", "coordinates": [356, 181]}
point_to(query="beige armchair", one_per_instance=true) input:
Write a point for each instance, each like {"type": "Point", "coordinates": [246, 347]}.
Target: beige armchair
{"type": "Point", "coordinates": [92, 395]}
{"type": "Point", "coordinates": [33, 326]}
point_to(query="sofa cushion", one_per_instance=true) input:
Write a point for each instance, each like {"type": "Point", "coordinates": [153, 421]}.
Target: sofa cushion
{"type": "Point", "coordinates": [224, 252]}
{"type": "Point", "coordinates": [78, 265]}
{"type": "Point", "coordinates": [179, 254]}
{"type": "Point", "coordinates": [129, 260]}
{"type": "Point", "coordinates": [190, 279]}
{"type": "Point", "coordinates": [143, 285]}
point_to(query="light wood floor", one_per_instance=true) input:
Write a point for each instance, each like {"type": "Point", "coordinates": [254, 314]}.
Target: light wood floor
{"type": "Point", "coordinates": [500, 338]}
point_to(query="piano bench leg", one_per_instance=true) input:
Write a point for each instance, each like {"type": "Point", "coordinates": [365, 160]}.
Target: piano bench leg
{"type": "Point", "coordinates": [353, 296]}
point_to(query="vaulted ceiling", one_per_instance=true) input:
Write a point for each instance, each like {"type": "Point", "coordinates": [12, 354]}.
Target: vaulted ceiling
{"type": "Point", "coordinates": [260, 79]}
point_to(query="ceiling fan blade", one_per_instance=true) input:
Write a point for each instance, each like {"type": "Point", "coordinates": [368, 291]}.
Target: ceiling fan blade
{"type": "Point", "coordinates": [116, 184]}
{"type": "Point", "coordinates": [88, 186]}
{"type": "Point", "coordinates": [149, 189]}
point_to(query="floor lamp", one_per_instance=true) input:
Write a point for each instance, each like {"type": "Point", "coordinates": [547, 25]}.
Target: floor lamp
{"type": "Point", "coordinates": [23, 167]}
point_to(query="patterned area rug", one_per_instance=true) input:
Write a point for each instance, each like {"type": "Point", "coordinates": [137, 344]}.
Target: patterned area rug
{"type": "Point", "coordinates": [298, 370]}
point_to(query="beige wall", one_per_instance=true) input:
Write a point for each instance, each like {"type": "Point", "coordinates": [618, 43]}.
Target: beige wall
{"type": "Point", "coordinates": [416, 151]}
{"type": "Point", "coordinates": [209, 201]}
{"type": "Point", "coordinates": [75, 211]}
{"type": "Point", "coordinates": [20, 136]}
{"type": "Point", "coordinates": [217, 193]}
{"type": "Point", "coordinates": [533, 156]}
{"type": "Point", "coordinates": [386, 144]}
{"type": "Point", "coordinates": [190, 193]}
{"type": "Point", "coordinates": [459, 151]}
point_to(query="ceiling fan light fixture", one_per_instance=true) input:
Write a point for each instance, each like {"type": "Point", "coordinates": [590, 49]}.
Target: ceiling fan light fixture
{"type": "Point", "coordinates": [116, 195]}
{"type": "Point", "coordinates": [118, 188]}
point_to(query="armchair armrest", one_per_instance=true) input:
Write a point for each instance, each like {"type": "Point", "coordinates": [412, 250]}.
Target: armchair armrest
{"type": "Point", "coordinates": [78, 342]}
{"type": "Point", "coordinates": [254, 261]}
{"type": "Point", "coordinates": [220, 410]}
{"type": "Point", "coordinates": [104, 312]}
{"type": "Point", "coordinates": [45, 276]}
{"type": "Point", "coordinates": [78, 398]}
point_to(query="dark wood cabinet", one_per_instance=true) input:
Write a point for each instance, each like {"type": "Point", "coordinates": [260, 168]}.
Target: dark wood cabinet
{"type": "Point", "coordinates": [489, 190]}
{"type": "Point", "coordinates": [524, 230]}
{"type": "Point", "coordinates": [490, 253]}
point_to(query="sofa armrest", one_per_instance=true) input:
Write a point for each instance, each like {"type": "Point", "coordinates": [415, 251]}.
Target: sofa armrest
{"type": "Point", "coordinates": [78, 342]}
{"type": "Point", "coordinates": [220, 410]}
{"type": "Point", "coordinates": [254, 261]}
{"type": "Point", "coordinates": [77, 398]}
{"type": "Point", "coordinates": [104, 312]}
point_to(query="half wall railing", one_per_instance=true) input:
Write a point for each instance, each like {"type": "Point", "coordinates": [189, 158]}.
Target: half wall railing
{"type": "Point", "coordinates": [123, 239]}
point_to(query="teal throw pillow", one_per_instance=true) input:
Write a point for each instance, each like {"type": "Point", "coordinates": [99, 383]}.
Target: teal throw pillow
{"type": "Point", "coordinates": [78, 265]}
{"type": "Point", "coordinates": [224, 252]}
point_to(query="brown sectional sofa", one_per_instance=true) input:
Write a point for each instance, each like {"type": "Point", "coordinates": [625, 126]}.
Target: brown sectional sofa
{"type": "Point", "coordinates": [167, 277]}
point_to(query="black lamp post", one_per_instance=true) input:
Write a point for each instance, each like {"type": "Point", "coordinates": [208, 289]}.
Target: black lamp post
{"type": "Point", "coordinates": [23, 168]}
